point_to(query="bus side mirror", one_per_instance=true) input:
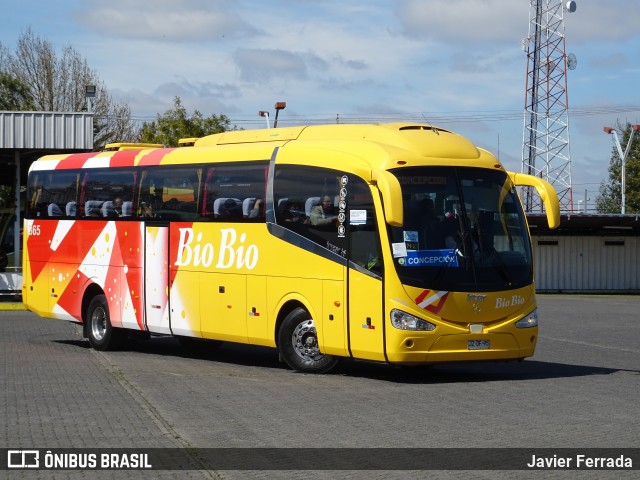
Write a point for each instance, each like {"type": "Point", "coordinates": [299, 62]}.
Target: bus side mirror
{"type": "Point", "coordinates": [547, 194]}
{"type": "Point", "coordinates": [391, 196]}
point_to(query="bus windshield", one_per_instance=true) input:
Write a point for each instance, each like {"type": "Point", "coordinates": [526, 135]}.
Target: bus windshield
{"type": "Point", "coordinates": [464, 230]}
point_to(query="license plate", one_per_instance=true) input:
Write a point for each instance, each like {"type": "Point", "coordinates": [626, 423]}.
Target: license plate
{"type": "Point", "coordinates": [478, 344]}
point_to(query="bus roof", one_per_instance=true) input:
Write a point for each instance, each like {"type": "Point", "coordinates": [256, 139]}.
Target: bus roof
{"type": "Point", "coordinates": [425, 140]}
{"type": "Point", "coordinates": [379, 146]}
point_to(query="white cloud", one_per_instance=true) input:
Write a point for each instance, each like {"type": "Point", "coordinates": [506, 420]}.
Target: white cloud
{"type": "Point", "coordinates": [595, 21]}
{"type": "Point", "coordinates": [463, 22]}
{"type": "Point", "coordinates": [186, 20]}
{"type": "Point", "coordinates": [263, 64]}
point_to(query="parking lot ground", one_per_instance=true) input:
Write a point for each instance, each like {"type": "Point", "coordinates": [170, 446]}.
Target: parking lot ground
{"type": "Point", "coordinates": [580, 390]}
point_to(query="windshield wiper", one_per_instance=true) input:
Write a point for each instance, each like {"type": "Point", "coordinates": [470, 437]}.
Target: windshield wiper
{"type": "Point", "coordinates": [501, 267]}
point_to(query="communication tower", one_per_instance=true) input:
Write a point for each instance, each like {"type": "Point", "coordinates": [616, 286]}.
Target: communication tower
{"type": "Point", "coordinates": [545, 143]}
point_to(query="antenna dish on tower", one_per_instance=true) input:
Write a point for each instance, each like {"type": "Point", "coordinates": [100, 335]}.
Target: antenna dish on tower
{"type": "Point", "coordinates": [570, 6]}
{"type": "Point", "coordinates": [572, 61]}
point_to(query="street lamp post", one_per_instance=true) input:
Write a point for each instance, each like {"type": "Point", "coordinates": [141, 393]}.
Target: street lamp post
{"type": "Point", "coordinates": [89, 94]}
{"type": "Point", "coordinates": [623, 155]}
{"type": "Point", "coordinates": [265, 114]}
{"type": "Point", "coordinates": [278, 106]}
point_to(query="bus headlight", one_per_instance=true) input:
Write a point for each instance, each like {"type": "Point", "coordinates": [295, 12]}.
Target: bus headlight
{"type": "Point", "coordinates": [528, 321]}
{"type": "Point", "coordinates": [405, 321]}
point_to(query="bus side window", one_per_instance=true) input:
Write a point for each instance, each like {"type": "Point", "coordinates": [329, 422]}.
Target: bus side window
{"type": "Point", "coordinates": [51, 194]}
{"type": "Point", "coordinates": [104, 191]}
{"type": "Point", "coordinates": [170, 193]}
{"type": "Point", "coordinates": [235, 193]}
{"type": "Point", "coordinates": [364, 248]}
{"type": "Point", "coordinates": [307, 202]}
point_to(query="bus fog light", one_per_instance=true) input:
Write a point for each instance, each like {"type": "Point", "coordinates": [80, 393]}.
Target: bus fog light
{"type": "Point", "coordinates": [405, 321]}
{"type": "Point", "coordinates": [529, 321]}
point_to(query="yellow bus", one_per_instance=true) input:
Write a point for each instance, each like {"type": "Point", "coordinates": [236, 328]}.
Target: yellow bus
{"type": "Point", "coordinates": [398, 243]}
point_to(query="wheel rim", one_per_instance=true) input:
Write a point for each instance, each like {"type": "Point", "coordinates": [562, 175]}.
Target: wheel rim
{"type": "Point", "coordinates": [305, 341]}
{"type": "Point", "coordinates": [99, 323]}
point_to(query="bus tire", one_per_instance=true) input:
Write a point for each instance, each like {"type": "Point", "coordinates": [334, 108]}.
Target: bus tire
{"type": "Point", "coordinates": [102, 336]}
{"type": "Point", "coordinates": [298, 344]}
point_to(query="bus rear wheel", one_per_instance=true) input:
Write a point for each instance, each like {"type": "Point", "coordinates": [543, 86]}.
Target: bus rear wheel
{"type": "Point", "coordinates": [102, 336]}
{"type": "Point", "coordinates": [298, 344]}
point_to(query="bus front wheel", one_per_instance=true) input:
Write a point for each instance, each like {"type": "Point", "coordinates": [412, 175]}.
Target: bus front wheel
{"type": "Point", "coordinates": [102, 336]}
{"type": "Point", "coordinates": [298, 344]}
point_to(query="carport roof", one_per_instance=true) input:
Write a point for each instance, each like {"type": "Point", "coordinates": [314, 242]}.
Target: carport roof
{"type": "Point", "coordinates": [65, 131]}
{"type": "Point", "coordinates": [587, 224]}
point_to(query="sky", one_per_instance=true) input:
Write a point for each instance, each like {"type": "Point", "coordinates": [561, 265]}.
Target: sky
{"type": "Point", "coordinates": [458, 64]}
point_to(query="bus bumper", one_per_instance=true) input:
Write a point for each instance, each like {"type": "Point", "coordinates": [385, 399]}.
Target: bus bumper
{"type": "Point", "coordinates": [463, 347]}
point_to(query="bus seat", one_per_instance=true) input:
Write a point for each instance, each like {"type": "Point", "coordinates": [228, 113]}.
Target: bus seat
{"type": "Point", "coordinates": [247, 206]}
{"type": "Point", "coordinates": [217, 205]}
{"type": "Point", "coordinates": [71, 209]}
{"type": "Point", "coordinates": [107, 209]}
{"type": "Point", "coordinates": [54, 210]}
{"type": "Point", "coordinates": [309, 204]}
{"type": "Point", "coordinates": [127, 208]}
{"type": "Point", "coordinates": [92, 208]}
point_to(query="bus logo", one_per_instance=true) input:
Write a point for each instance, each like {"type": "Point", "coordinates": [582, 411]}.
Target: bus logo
{"type": "Point", "coordinates": [230, 251]}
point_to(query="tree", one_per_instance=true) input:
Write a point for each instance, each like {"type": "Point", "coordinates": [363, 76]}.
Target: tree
{"type": "Point", "coordinates": [175, 124]}
{"type": "Point", "coordinates": [56, 83]}
{"type": "Point", "coordinates": [14, 95]}
{"type": "Point", "coordinates": [609, 199]}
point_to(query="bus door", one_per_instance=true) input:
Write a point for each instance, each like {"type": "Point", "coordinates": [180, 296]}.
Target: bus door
{"type": "Point", "coordinates": [366, 318]}
{"type": "Point", "coordinates": [156, 278]}
{"type": "Point", "coordinates": [365, 289]}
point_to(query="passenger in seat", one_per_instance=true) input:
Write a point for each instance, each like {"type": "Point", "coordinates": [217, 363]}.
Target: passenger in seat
{"type": "Point", "coordinates": [231, 210]}
{"type": "Point", "coordinates": [323, 214]}
{"type": "Point", "coordinates": [117, 206]}
{"type": "Point", "coordinates": [258, 209]}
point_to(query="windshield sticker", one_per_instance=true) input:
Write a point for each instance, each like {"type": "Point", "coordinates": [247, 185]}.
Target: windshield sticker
{"type": "Point", "coordinates": [399, 250]}
{"type": "Point", "coordinates": [357, 217]}
{"type": "Point", "coordinates": [429, 258]}
{"type": "Point", "coordinates": [410, 236]}
{"type": "Point", "coordinates": [411, 239]}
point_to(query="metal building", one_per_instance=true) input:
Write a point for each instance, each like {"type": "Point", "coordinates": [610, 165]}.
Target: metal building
{"type": "Point", "coordinates": [24, 137]}
{"type": "Point", "coordinates": [587, 254]}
